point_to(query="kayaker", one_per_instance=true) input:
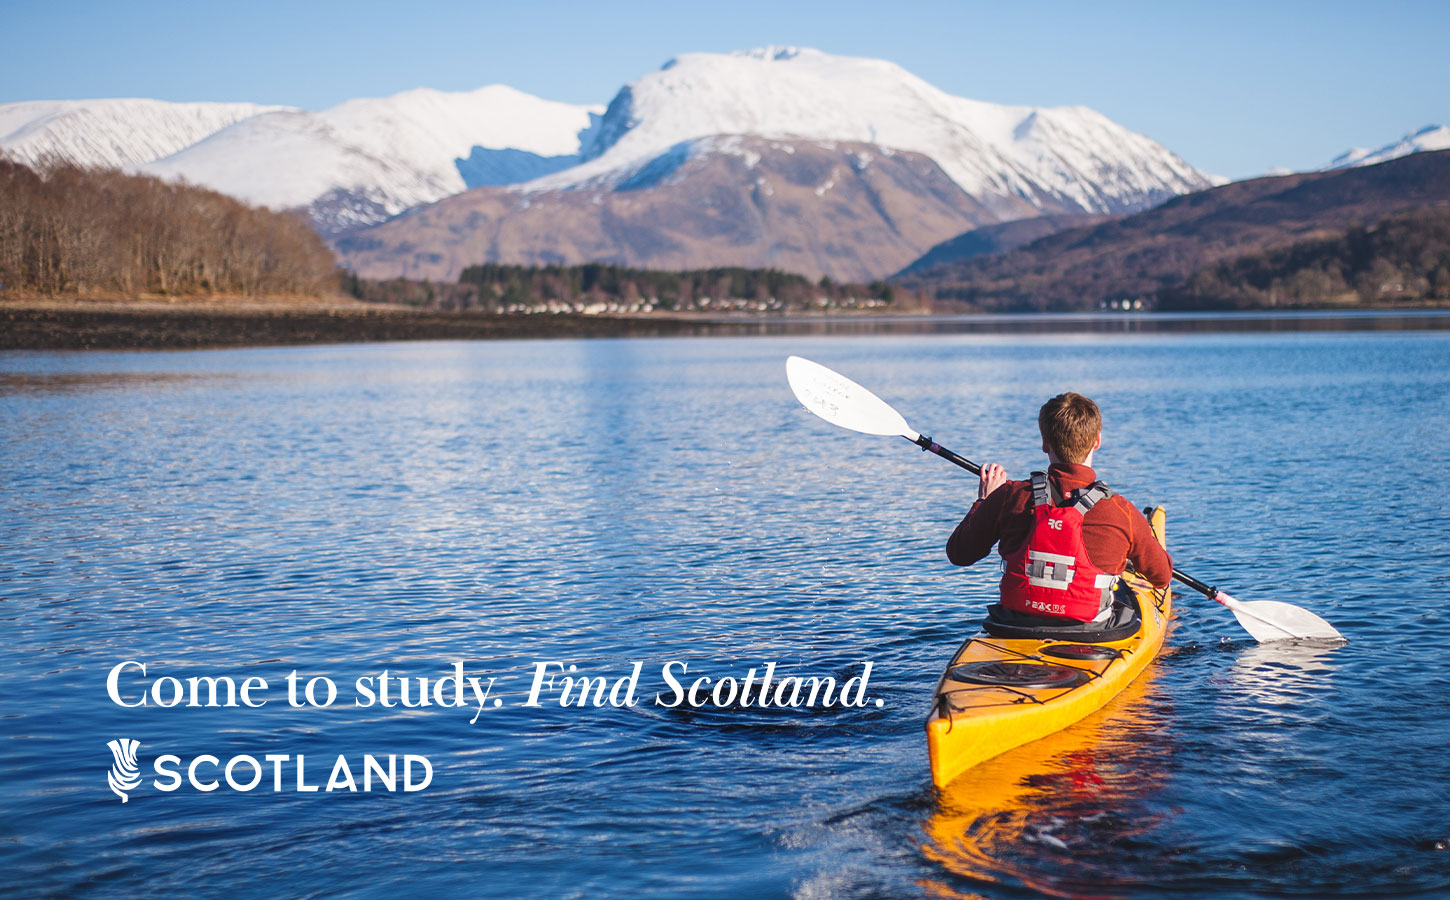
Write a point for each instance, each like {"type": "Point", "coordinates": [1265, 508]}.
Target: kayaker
{"type": "Point", "coordinates": [1043, 581]}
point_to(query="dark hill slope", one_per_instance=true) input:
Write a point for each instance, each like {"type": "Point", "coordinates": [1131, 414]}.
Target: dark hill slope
{"type": "Point", "coordinates": [1146, 253]}
{"type": "Point", "coordinates": [1403, 258]}
{"type": "Point", "coordinates": [990, 239]}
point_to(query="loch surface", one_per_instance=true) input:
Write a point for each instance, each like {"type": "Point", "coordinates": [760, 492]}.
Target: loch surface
{"type": "Point", "coordinates": [340, 511]}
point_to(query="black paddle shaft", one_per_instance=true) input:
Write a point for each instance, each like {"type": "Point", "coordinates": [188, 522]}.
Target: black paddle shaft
{"type": "Point", "coordinates": [1197, 585]}
{"type": "Point", "coordinates": [927, 443]}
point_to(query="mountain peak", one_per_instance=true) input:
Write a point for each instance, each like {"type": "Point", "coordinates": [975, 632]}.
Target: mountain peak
{"type": "Point", "coordinates": [777, 53]}
{"type": "Point", "coordinates": [1428, 138]}
{"type": "Point", "coordinates": [768, 53]}
{"type": "Point", "coordinates": [1004, 154]}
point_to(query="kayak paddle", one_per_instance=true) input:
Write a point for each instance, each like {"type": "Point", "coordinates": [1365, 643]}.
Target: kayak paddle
{"type": "Point", "coordinates": [843, 402]}
{"type": "Point", "coordinates": [1267, 620]}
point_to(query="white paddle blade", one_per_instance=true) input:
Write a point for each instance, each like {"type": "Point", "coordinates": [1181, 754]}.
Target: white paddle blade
{"type": "Point", "coordinates": [841, 401]}
{"type": "Point", "coordinates": [1270, 620]}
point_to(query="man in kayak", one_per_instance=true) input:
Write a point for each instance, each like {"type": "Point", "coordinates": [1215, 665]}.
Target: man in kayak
{"type": "Point", "coordinates": [1063, 535]}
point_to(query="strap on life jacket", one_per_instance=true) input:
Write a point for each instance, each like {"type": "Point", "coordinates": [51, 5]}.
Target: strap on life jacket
{"type": "Point", "coordinates": [1045, 493]}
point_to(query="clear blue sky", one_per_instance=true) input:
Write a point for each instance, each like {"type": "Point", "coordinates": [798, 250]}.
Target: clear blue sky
{"type": "Point", "coordinates": [1236, 88]}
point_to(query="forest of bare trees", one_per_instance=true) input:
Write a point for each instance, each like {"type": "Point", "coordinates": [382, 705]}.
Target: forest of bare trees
{"type": "Point", "coordinates": [65, 229]}
{"type": "Point", "coordinates": [1400, 259]}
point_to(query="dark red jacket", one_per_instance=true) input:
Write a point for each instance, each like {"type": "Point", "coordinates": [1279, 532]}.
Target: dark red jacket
{"type": "Point", "coordinates": [1114, 531]}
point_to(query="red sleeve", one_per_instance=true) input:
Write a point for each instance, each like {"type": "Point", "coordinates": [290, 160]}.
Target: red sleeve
{"type": "Point", "coordinates": [974, 536]}
{"type": "Point", "coordinates": [1144, 551]}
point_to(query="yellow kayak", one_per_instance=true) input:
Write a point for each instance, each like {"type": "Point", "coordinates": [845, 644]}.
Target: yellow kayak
{"type": "Point", "coordinates": [1000, 693]}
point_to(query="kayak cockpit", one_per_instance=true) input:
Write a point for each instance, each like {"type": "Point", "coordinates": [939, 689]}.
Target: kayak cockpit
{"type": "Point", "coordinates": [1122, 622]}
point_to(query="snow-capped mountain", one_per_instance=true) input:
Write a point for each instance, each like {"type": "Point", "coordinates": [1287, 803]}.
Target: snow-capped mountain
{"type": "Point", "coordinates": [364, 161]}
{"type": "Point", "coordinates": [120, 134]}
{"type": "Point", "coordinates": [1431, 137]}
{"type": "Point", "coordinates": [997, 154]}
{"type": "Point", "coordinates": [371, 159]}
{"type": "Point", "coordinates": [354, 164]}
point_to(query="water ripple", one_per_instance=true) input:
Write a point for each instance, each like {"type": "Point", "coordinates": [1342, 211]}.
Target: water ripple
{"type": "Point", "coordinates": [344, 510]}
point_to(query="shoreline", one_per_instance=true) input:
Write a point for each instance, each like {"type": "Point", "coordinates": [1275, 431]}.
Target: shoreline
{"type": "Point", "coordinates": [210, 323]}
{"type": "Point", "coordinates": [220, 322]}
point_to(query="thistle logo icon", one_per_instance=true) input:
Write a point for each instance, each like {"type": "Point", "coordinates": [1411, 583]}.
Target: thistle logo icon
{"type": "Point", "coordinates": [125, 774]}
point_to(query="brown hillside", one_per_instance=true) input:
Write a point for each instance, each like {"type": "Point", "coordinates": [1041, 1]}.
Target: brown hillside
{"type": "Point", "coordinates": [854, 212]}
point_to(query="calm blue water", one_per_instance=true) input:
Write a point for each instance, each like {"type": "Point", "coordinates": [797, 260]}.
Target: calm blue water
{"type": "Point", "coordinates": [339, 511]}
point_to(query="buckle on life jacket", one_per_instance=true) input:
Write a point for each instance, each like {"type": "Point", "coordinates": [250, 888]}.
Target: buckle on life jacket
{"type": "Point", "coordinates": [1050, 570]}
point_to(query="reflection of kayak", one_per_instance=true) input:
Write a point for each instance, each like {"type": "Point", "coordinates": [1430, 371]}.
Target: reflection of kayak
{"type": "Point", "coordinates": [1042, 686]}
{"type": "Point", "coordinates": [1005, 821]}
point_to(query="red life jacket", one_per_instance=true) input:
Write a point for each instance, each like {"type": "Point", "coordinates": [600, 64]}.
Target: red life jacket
{"type": "Point", "coordinates": [1051, 574]}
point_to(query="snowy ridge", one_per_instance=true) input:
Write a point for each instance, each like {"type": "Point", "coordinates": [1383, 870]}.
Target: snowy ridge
{"type": "Point", "coordinates": [398, 151]}
{"type": "Point", "coordinates": [385, 155]}
{"type": "Point", "coordinates": [1071, 154]}
{"type": "Point", "coordinates": [1429, 138]}
{"type": "Point", "coordinates": [118, 134]}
